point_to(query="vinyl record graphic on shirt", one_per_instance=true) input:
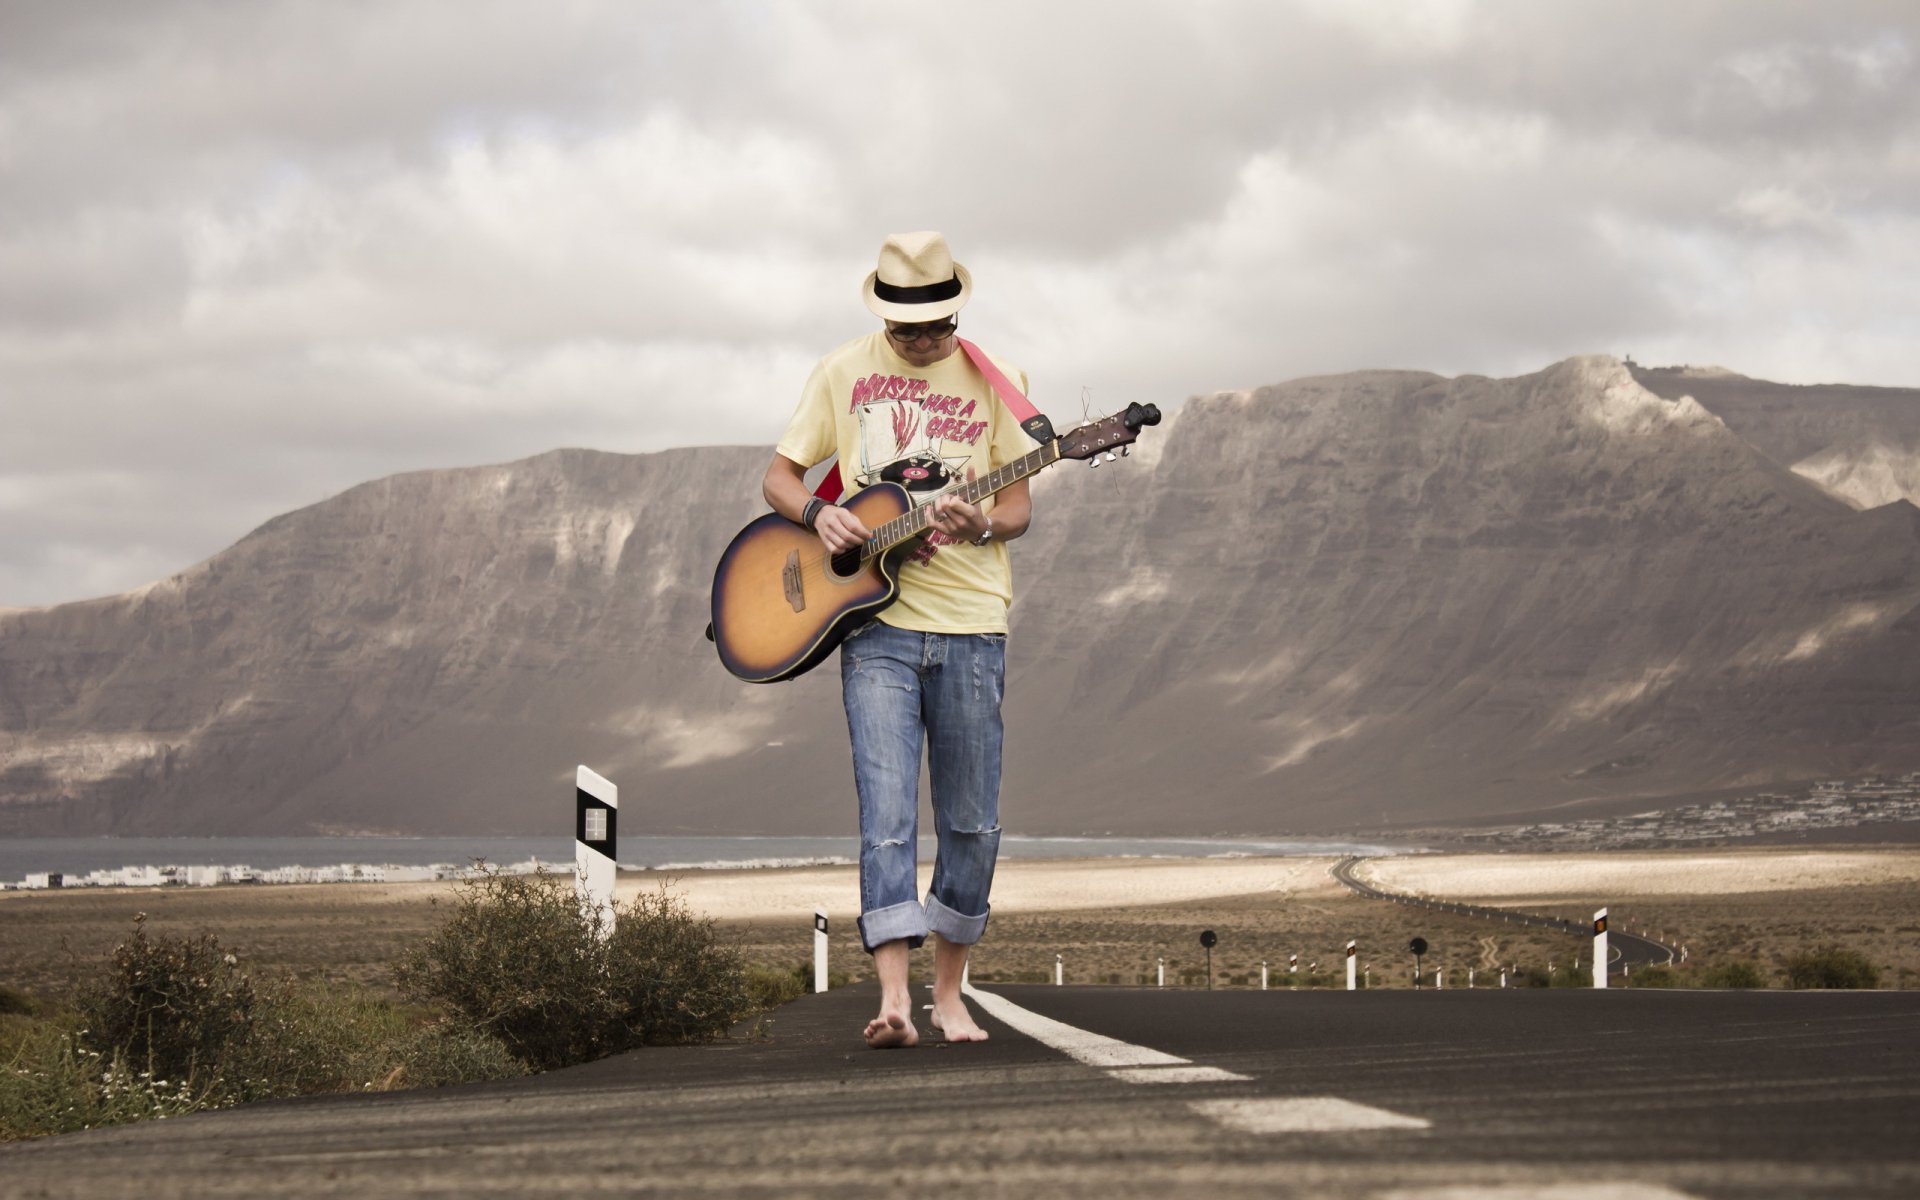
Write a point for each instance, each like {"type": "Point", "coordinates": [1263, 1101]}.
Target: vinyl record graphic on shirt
{"type": "Point", "coordinates": [921, 473]}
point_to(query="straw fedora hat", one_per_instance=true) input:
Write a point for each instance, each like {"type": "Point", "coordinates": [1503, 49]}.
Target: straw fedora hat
{"type": "Point", "coordinates": [917, 279]}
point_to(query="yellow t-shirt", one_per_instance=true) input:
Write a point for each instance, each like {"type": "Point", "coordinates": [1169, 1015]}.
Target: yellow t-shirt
{"type": "Point", "coordinates": [929, 429]}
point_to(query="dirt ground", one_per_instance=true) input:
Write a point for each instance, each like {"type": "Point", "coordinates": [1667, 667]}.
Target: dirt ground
{"type": "Point", "coordinates": [1108, 920]}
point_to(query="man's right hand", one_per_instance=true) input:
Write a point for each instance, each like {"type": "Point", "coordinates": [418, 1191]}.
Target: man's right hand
{"type": "Point", "coordinates": [839, 529]}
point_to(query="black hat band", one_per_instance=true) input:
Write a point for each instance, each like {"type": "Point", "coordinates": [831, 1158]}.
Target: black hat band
{"type": "Point", "coordinates": [927, 294]}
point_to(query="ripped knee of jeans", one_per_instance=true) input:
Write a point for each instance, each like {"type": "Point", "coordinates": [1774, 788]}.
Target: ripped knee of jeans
{"type": "Point", "coordinates": [990, 829]}
{"type": "Point", "coordinates": [885, 843]}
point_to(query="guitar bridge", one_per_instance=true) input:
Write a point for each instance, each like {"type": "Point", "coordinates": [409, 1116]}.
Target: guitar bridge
{"type": "Point", "coordinates": [790, 582]}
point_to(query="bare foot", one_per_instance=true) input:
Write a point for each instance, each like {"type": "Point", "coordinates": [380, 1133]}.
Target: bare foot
{"type": "Point", "coordinates": [892, 1030]}
{"type": "Point", "coordinates": [954, 1021]}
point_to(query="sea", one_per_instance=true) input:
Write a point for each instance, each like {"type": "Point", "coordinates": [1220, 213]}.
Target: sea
{"type": "Point", "coordinates": [71, 856]}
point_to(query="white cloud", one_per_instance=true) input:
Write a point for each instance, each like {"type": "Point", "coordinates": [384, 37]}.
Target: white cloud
{"type": "Point", "coordinates": [357, 239]}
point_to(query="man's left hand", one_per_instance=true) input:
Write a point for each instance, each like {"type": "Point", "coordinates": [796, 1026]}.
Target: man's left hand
{"type": "Point", "coordinates": [957, 519]}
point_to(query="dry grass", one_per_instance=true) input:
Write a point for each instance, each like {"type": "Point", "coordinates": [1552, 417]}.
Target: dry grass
{"type": "Point", "coordinates": [1763, 904]}
{"type": "Point", "coordinates": [1121, 945]}
{"type": "Point", "coordinates": [1110, 919]}
{"type": "Point", "coordinates": [336, 932]}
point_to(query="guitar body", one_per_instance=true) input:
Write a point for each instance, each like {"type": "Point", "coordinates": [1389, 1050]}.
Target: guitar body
{"type": "Point", "coordinates": [780, 605]}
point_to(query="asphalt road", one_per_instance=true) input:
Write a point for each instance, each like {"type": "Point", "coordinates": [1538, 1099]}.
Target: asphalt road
{"type": "Point", "coordinates": [1567, 1094]}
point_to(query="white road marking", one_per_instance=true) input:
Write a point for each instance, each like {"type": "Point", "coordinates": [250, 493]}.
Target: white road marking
{"type": "Point", "coordinates": [1551, 1191]}
{"type": "Point", "coordinates": [1093, 1049]}
{"type": "Point", "coordinates": [1141, 1064]}
{"type": "Point", "coordinates": [1175, 1075]}
{"type": "Point", "coordinates": [1303, 1114]}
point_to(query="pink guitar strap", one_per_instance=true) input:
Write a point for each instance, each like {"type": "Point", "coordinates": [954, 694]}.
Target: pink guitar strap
{"type": "Point", "coordinates": [1036, 425]}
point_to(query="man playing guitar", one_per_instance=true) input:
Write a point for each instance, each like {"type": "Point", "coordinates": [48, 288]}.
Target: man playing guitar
{"type": "Point", "coordinates": [901, 404]}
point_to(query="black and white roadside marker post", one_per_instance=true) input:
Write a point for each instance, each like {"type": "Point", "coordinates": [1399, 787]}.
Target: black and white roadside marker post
{"type": "Point", "coordinates": [1208, 940]}
{"type": "Point", "coordinates": [1418, 947]}
{"type": "Point", "coordinates": [1353, 967]}
{"type": "Point", "coordinates": [1600, 949]}
{"type": "Point", "coordinates": [819, 950]}
{"type": "Point", "coordinates": [1162, 981]}
{"type": "Point", "coordinates": [1293, 964]}
{"type": "Point", "coordinates": [1263, 974]}
{"type": "Point", "coordinates": [596, 804]}
{"type": "Point", "coordinates": [1059, 971]}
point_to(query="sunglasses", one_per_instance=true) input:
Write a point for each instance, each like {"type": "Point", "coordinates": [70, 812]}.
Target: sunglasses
{"type": "Point", "coordinates": [931, 329]}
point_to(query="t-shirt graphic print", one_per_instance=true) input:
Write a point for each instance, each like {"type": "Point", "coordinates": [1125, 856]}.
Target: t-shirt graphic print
{"type": "Point", "coordinates": [928, 429]}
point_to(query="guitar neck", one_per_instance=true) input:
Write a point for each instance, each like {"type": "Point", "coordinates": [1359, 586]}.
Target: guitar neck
{"type": "Point", "coordinates": [912, 524]}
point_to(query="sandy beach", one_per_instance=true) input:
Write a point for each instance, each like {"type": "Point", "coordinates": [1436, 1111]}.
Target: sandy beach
{"type": "Point", "coordinates": [1521, 879]}
{"type": "Point", "coordinates": [1019, 886]}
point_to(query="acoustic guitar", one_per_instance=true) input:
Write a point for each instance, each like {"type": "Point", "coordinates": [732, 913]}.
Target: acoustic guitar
{"type": "Point", "coordinates": [781, 603]}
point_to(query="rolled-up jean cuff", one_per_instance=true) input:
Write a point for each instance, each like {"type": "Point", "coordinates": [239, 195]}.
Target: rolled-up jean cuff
{"type": "Point", "coordinates": [955, 928]}
{"type": "Point", "coordinates": [903, 920]}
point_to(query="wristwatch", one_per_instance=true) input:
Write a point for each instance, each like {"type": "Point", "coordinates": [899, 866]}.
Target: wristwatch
{"type": "Point", "coordinates": [986, 535]}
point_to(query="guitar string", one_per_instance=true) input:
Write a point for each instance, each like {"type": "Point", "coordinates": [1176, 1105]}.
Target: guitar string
{"type": "Point", "coordinates": [817, 567]}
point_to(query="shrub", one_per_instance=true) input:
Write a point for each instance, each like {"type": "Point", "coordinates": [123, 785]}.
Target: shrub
{"type": "Point", "coordinates": [54, 1083]}
{"type": "Point", "coordinates": [1735, 974]}
{"type": "Point", "coordinates": [315, 1039]}
{"type": "Point", "coordinates": [447, 1052]}
{"type": "Point", "coordinates": [1565, 977]}
{"type": "Point", "coordinates": [678, 980]}
{"type": "Point", "coordinates": [171, 1006]}
{"type": "Point", "coordinates": [1831, 967]}
{"type": "Point", "coordinates": [1659, 975]}
{"type": "Point", "coordinates": [521, 959]}
{"type": "Point", "coordinates": [768, 987]}
{"type": "Point", "coordinates": [14, 1002]}
{"type": "Point", "coordinates": [171, 1026]}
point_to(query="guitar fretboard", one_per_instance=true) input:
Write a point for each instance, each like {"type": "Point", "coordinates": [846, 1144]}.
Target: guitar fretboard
{"type": "Point", "coordinates": [913, 524]}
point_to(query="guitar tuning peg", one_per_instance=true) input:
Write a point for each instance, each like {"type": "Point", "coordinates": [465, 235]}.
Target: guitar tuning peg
{"type": "Point", "coordinates": [1112, 457]}
{"type": "Point", "coordinates": [1094, 461]}
{"type": "Point", "coordinates": [1124, 451]}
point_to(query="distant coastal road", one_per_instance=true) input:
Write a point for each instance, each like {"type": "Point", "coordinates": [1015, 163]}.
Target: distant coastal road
{"type": "Point", "coordinates": [1577, 1094]}
{"type": "Point", "coordinates": [1624, 949]}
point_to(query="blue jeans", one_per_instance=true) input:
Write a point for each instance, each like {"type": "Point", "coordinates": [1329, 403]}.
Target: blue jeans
{"type": "Point", "coordinates": [902, 688]}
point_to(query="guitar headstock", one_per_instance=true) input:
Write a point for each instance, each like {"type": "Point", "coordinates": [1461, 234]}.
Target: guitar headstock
{"type": "Point", "coordinates": [1112, 433]}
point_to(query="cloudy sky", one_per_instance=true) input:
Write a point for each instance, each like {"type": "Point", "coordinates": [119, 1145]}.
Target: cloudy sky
{"type": "Point", "coordinates": [254, 253]}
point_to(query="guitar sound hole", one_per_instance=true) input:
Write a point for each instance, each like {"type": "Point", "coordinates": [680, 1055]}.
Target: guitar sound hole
{"type": "Point", "coordinates": [846, 564]}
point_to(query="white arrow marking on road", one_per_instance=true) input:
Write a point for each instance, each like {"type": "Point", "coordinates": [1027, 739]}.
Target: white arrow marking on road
{"type": "Point", "coordinates": [1122, 1060]}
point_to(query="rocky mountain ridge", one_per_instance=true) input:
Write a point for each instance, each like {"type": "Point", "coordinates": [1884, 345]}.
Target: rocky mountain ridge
{"type": "Point", "coordinates": [1362, 600]}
